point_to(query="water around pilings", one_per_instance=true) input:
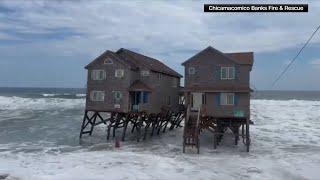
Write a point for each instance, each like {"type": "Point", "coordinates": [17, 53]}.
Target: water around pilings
{"type": "Point", "coordinates": [39, 140]}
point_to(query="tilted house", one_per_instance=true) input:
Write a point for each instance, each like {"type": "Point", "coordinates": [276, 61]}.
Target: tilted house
{"type": "Point", "coordinates": [125, 81]}
{"type": "Point", "coordinates": [219, 82]}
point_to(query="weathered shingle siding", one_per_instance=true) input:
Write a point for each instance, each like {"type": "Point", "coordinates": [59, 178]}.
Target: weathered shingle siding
{"type": "Point", "coordinates": [207, 74]}
{"type": "Point", "coordinates": [110, 84]}
{"type": "Point", "coordinates": [207, 71]}
{"type": "Point", "coordinates": [162, 88]}
{"type": "Point", "coordinates": [215, 109]}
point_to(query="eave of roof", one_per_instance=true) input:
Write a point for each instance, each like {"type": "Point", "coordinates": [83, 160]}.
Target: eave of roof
{"type": "Point", "coordinates": [229, 56]}
{"type": "Point", "coordinates": [105, 55]}
{"type": "Point", "coordinates": [143, 61]}
{"type": "Point", "coordinates": [216, 89]}
{"type": "Point", "coordinates": [245, 58]}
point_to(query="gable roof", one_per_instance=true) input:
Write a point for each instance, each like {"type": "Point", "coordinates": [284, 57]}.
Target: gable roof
{"type": "Point", "coordinates": [106, 54]}
{"type": "Point", "coordinates": [238, 58]}
{"type": "Point", "coordinates": [143, 61]}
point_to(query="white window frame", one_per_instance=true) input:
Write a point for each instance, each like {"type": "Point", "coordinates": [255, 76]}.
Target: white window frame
{"type": "Point", "coordinates": [108, 61]}
{"type": "Point", "coordinates": [191, 70]}
{"type": "Point", "coordinates": [159, 76]}
{"type": "Point", "coordinates": [119, 73]}
{"type": "Point", "coordinates": [145, 73]}
{"type": "Point", "coordinates": [96, 74]}
{"type": "Point", "coordinates": [97, 95]}
{"type": "Point", "coordinates": [227, 99]}
{"type": "Point", "coordinates": [230, 73]}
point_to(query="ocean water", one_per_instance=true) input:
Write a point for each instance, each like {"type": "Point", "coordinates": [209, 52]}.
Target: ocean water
{"type": "Point", "coordinates": [39, 130]}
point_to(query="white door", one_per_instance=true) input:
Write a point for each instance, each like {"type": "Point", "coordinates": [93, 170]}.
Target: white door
{"type": "Point", "coordinates": [196, 101]}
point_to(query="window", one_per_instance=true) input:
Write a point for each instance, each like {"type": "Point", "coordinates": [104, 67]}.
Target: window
{"type": "Point", "coordinates": [192, 70]}
{"type": "Point", "coordinates": [97, 95]}
{"type": "Point", "coordinates": [117, 96]}
{"type": "Point", "coordinates": [174, 82]}
{"type": "Point", "coordinates": [159, 76]}
{"type": "Point", "coordinates": [227, 98]}
{"type": "Point", "coordinates": [98, 75]}
{"type": "Point", "coordinates": [227, 72]}
{"type": "Point", "coordinates": [119, 73]}
{"type": "Point", "coordinates": [108, 61]}
{"type": "Point", "coordinates": [145, 73]}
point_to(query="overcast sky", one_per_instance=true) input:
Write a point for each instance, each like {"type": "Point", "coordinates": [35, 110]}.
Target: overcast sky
{"type": "Point", "coordinates": [47, 43]}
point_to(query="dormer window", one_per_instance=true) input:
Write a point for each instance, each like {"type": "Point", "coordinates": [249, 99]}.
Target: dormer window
{"type": "Point", "coordinates": [191, 70]}
{"type": "Point", "coordinates": [108, 61]}
{"type": "Point", "coordinates": [145, 73]}
{"type": "Point", "coordinates": [227, 73]}
{"type": "Point", "coordinates": [119, 73]}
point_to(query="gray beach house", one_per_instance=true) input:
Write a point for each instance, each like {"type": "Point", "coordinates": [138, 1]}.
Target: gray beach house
{"type": "Point", "coordinates": [219, 82]}
{"type": "Point", "coordinates": [126, 81]}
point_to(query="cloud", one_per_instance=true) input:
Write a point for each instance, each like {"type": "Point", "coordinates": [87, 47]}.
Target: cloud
{"type": "Point", "coordinates": [161, 27]}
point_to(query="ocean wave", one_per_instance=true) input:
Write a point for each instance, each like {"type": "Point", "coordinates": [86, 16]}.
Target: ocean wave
{"type": "Point", "coordinates": [63, 95]}
{"type": "Point", "coordinates": [15, 103]}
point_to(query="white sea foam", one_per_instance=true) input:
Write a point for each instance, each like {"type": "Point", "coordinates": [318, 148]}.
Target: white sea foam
{"type": "Point", "coordinates": [16, 103]}
{"type": "Point", "coordinates": [81, 95]}
{"type": "Point", "coordinates": [48, 95]}
{"type": "Point", "coordinates": [285, 145]}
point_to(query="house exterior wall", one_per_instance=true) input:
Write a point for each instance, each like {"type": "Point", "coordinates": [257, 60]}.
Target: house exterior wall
{"type": "Point", "coordinates": [207, 66]}
{"type": "Point", "coordinates": [161, 88]}
{"type": "Point", "coordinates": [214, 108]}
{"type": "Point", "coordinates": [110, 84]}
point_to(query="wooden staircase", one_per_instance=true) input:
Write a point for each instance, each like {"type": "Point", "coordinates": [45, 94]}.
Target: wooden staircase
{"type": "Point", "coordinates": [191, 129]}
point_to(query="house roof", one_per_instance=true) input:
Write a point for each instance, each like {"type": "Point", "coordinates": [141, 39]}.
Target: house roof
{"type": "Point", "coordinates": [218, 88]}
{"type": "Point", "coordinates": [244, 58]}
{"type": "Point", "coordinates": [106, 54]}
{"type": "Point", "coordinates": [143, 61]}
{"type": "Point", "coordinates": [139, 86]}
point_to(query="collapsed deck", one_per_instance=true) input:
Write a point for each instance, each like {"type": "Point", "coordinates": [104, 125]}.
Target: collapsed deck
{"type": "Point", "coordinates": [141, 123]}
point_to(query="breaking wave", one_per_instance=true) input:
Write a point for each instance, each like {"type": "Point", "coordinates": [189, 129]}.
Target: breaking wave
{"type": "Point", "coordinates": [63, 95]}
{"type": "Point", "coordinates": [15, 103]}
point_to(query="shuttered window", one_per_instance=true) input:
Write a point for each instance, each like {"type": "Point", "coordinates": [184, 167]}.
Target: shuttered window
{"type": "Point", "coordinates": [227, 98]}
{"type": "Point", "coordinates": [119, 73]}
{"type": "Point", "coordinates": [227, 73]}
{"type": "Point", "coordinates": [97, 95]}
{"type": "Point", "coordinates": [117, 96]}
{"type": "Point", "coordinates": [98, 75]}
